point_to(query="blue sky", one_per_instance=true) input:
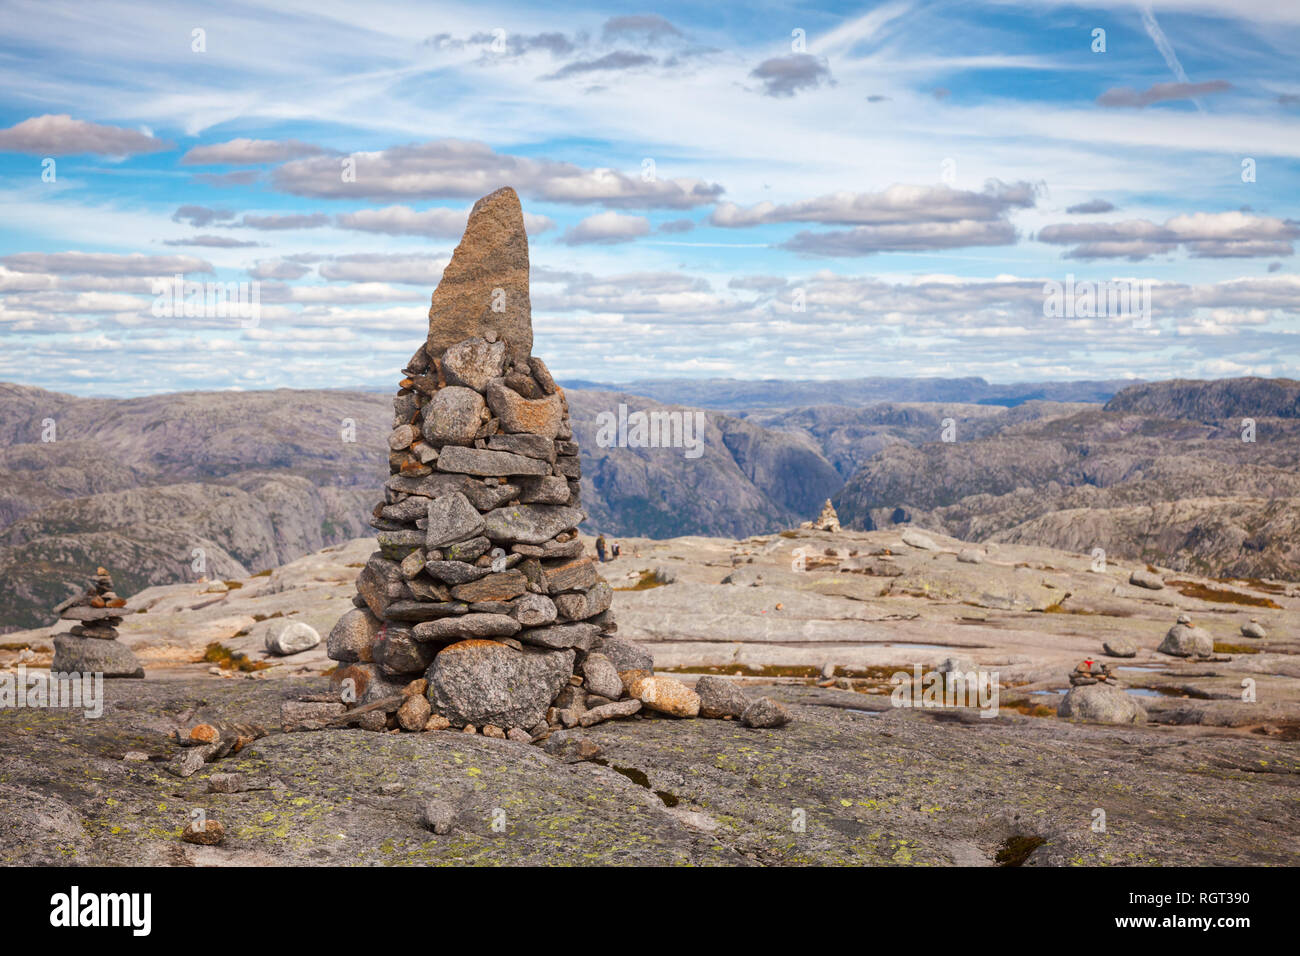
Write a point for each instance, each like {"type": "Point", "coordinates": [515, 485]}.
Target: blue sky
{"type": "Point", "coordinates": [737, 190]}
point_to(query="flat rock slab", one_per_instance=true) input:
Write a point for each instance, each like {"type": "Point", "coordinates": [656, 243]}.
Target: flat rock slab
{"type": "Point", "coordinates": [885, 787]}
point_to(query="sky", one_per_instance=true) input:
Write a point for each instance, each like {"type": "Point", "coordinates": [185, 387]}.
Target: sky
{"type": "Point", "coordinates": [736, 190]}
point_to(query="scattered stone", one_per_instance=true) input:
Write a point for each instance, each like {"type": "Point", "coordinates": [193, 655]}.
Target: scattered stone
{"type": "Point", "coordinates": [666, 695]}
{"type": "Point", "coordinates": [1145, 579]}
{"type": "Point", "coordinates": [765, 712]}
{"type": "Point", "coordinates": [1120, 647]}
{"type": "Point", "coordinates": [919, 540]}
{"type": "Point", "coordinates": [290, 637]}
{"type": "Point", "coordinates": [610, 711]}
{"type": "Point", "coordinates": [210, 833]}
{"type": "Point", "coordinates": [437, 816]}
{"type": "Point", "coordinates": [720, 698]}
{"type": "Point", "coordinates": [414, 714]}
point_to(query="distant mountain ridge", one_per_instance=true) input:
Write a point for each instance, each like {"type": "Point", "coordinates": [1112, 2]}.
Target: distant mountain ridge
{"type": "Point", "coordinates": [256, 479]}
{"type": "Point", "coordinates": [746, 394]}
{"type": "Point", "coordinates": [1160, 473]}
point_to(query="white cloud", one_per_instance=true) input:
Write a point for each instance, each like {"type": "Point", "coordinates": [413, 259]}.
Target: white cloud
{"type": "Point", "coordinates": [606, 228]}
{"type": "Point", "coordinates": [61, 135]}
{"type": "Point", "coordinates": [461, 168]}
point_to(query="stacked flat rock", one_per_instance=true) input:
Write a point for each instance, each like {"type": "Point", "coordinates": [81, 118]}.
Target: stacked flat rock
{"type": "Point", "coordinates": [481, 595]}
{"type": "Point", "coordinates": [84, 648]}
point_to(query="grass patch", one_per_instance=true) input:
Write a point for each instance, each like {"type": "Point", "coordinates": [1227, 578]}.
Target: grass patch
{"type": "Point", "coordinates": [1221, 595]}
{"type": "Point", "coordinates": [228, 660]}
{"type": "Point", "coordinates": [1222, 647]}
{"type": "Point", "coordinates": [645, 582]}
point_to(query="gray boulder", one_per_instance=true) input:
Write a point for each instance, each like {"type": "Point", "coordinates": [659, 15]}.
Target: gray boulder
{"type": "Point", "coordinates": [1143, 578]}
{"type": "Point", "coordinates": [484, 682]}
{"type": "Point", "coordinates": [1183, 640]}
{"type": "Point", "coordinates": [1102, 703]}
{"type": "Point", "coordinates": [1120, 647]}
{"type": "Point", "coordinates": [765, 712]}
{"type": "Point", "coordinates": [919, 540]}
{"type": "Point", "coordinates": [88, 655]}
{"type": "Point", "coordinates": [720, 698]}
{"type": "Point", "coordinates": [290, 637]}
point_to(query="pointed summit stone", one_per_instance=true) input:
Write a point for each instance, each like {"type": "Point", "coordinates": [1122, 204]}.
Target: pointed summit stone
{"type": "Point", "coordinates": [484, 289]}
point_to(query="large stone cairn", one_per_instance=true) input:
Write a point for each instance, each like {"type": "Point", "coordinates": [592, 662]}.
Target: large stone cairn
{"type": "Point", "coordinates": [481, 607]}
{"type": "Point", "coordinates": [84, 649]}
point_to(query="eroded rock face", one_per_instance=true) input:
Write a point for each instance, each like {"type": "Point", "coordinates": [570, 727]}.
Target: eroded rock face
{"type": "Point", "coordinates": [484, 289]}
{"type": "Point", "coordinates": [484, 682]}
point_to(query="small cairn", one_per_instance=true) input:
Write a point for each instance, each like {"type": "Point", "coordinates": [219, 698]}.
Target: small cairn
{"type": "Point", "coordinates": [1092, 672]}
{"type": "Point", "coordinates": [828, 520]}
{"type": "Point", "coordinates": [86, 647]}
{"type": "Point", "coordinates": [481, 610]}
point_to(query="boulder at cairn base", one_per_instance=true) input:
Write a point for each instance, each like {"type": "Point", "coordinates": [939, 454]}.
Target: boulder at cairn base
{"type": "Point", "coordinates": [485, 682]}
{"type": "Point", "coordinates": [87, 655]}
{"type": "Point", "coordinates": [485, 286]}
{"type": "Point", "coordinates": [1102, 703]}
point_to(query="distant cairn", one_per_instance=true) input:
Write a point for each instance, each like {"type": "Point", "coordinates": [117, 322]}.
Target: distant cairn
{"type": "Point", "coordinates": [481, 607]}
{"type": "Point", "coordinates": [828, 520]}
{"type": "Point", "coordinates": [86, 647]}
